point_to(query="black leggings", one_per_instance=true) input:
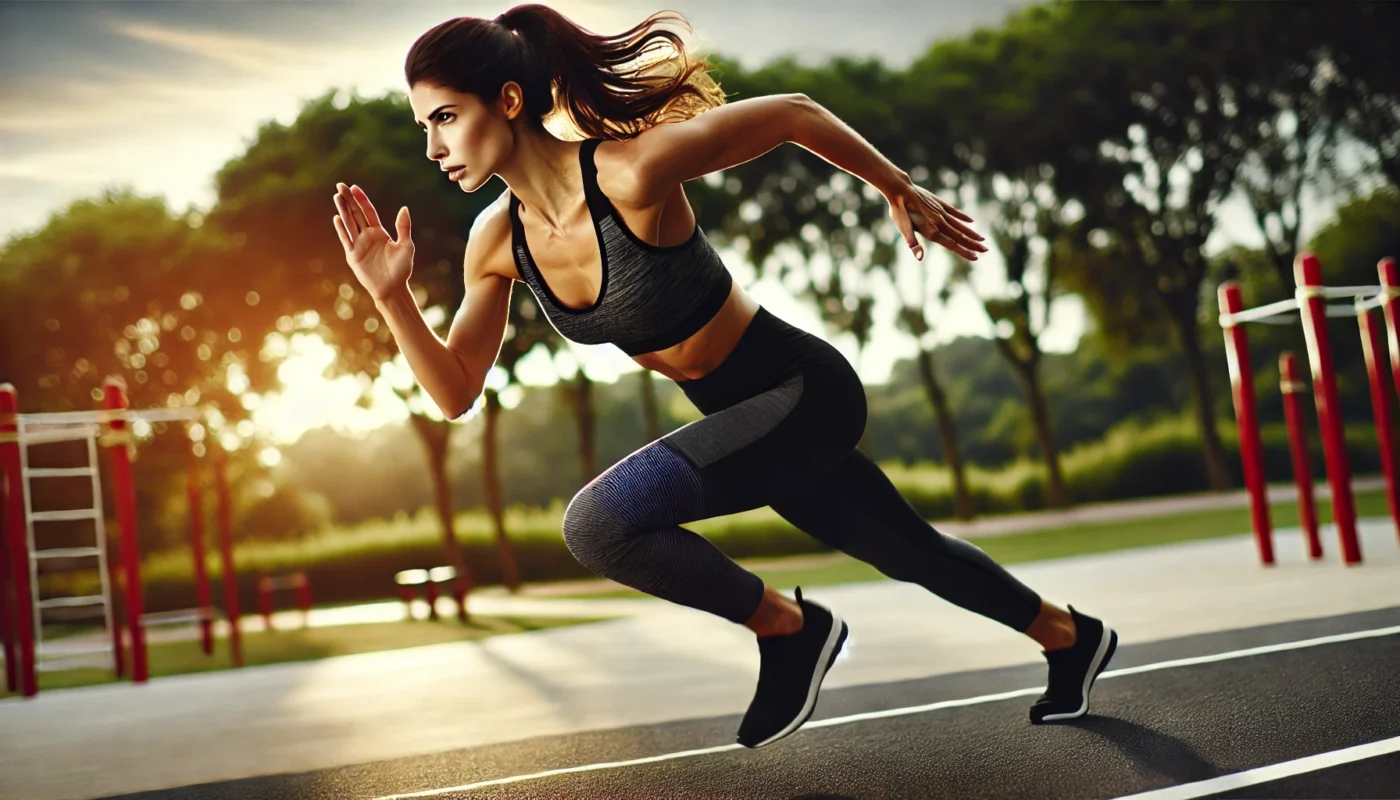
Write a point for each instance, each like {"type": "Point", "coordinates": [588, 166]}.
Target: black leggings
{"type": "Point", "coordinates": [783, 415]}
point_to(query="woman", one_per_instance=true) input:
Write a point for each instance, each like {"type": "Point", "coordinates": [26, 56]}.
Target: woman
{"type": "Point", "coordinates": [602, 232]}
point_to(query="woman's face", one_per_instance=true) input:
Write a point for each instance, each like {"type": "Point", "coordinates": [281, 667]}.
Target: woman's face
{"type": "Point", "coordinates": [466, 135]}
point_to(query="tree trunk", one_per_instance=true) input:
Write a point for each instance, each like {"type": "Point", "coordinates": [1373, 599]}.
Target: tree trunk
{"type": "Point", "coordinates": [651, 416]}
{"type": "Point", "coordinates": [583, 416]}
{"type": "Point", "coordinates": [1213, 451]}
{"type": "Point", "coordinates": [491, 489]}
{"type": "Point", "coordinates": [434, 434]}
{"type": "Point", "coordinates": [962, 498]}
{"type": "Point", "coordinates": [1056, 492]}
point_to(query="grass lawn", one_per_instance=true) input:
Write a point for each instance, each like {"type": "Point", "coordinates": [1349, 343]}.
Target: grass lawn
{"type": "Point", "coordinates": [1059, 542]}
{"type": "Point", "coordinates": [305, 644]}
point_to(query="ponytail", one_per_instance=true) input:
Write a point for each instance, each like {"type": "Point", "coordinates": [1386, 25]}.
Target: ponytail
{"type": "Point", "coordinates": [605, 87]}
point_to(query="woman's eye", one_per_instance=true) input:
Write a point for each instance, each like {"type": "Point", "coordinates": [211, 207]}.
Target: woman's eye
{"type": "Point", "coordinates": [442, 116]}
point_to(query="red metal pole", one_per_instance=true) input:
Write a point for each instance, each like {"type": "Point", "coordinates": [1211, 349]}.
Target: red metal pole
{"type": "Point", "coordinates": [1291, 387]}
{"type": "Point", "coordinates": [1307, 275]}
{"type": "Point", "coordinates": [303, 587]}
{"type": "Point", "coordinates": [117, 577]}
{"type": "Point", "coordinates": [9, 495]}
{"type": "Point", "coordinates": [124, 490]}
{"type": "Point", "coordinates": [16, 545]}
{"type": "Point", "coordinates": [235, 638]}
{"type": "Point", "coordinates": [201, 568]}
{"type": "Point", "coordinates": [1242, 389]}
{"type": "Point", "coordinates": [431, 592]}
{"type": "Point", "coordinates": [1371, 346]}
{"type": "Point", "coordinates": [265, 601]}
{"type": "Point", "coordinates": [1390, 284]}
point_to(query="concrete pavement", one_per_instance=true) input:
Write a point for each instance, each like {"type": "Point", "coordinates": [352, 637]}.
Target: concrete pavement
{"type": "Point", "coordinates": [658, 664]}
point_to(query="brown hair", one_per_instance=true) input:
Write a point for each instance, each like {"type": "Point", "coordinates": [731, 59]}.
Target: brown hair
{"type": "Point", "coordinates": [607, 87]}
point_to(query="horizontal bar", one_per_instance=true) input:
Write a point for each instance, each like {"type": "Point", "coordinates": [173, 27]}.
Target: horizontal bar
{"type": "Point", "coordinates": [76, 662]}
{"type": "Point", "coordinates": [51, 437]}
{"type": "Point", "coordinates": [1349, 291]}
{"type": "Point", "coordinates": [60, 472]}
{"type": "Point", "coordinates": [175, 617]}
{"type": "Point", "coordinates": [70, 602]}
{"type": "Point", "coordinates": [103, 645]}
{"type": "Point", "coordinates": [113, 415]}
{"type": "Point", "coordinates": [64, 515]}
{"type": "Point", "coordinates": [1256, 314]}
{"type": "Point", "coordinates": [68, 552]}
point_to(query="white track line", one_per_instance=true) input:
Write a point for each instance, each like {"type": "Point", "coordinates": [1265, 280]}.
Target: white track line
{"type": "Point", "coordinates": [1273, 772]}
{"type": "Point", "coordinates": [969, 701]}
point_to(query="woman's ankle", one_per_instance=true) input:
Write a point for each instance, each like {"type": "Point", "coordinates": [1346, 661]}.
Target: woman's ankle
{"type": "Point", "coordinates": [777, 615]}
{"type": "Point", "coordinates": [1053, 628]}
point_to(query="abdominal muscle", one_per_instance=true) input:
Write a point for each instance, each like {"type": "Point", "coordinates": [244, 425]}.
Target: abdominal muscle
{"type": "Point", "coordinates": [707, 348]}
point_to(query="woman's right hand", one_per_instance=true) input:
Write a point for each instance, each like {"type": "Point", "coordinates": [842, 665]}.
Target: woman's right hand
{"type": "Point", "coordinates": [382, 264]}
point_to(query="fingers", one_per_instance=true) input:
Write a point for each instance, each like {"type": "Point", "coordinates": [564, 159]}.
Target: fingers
{"type": "Point", "coordinates": [347, 218]}
{"type": "Point", "coordinates": [951, 215]}
{"type": "Point", "coordinates": [368, 216]}
{"type": "Point", "coordinates": [905, 225]}
{"type": "Point", "coordinates": [343, 234]}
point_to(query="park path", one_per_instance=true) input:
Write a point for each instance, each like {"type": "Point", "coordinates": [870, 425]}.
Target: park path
{"type": "Point", "coordinates": [658, 663]}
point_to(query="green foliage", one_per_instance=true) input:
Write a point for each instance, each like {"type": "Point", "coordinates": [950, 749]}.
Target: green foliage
{"type": "Point", "coordinates": [355, 563]}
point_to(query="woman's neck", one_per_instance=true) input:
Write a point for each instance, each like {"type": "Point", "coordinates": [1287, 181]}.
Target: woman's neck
{"type": "Point", "coordinates": [544, 173]}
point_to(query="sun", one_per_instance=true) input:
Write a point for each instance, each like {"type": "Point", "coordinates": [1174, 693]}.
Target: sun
{"type": "Point", "coordinates": [308, 399]}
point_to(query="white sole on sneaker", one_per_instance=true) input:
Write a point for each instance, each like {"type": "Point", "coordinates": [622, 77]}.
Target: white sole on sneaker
{"type": "Point", "coordinates": [824, 662]}
{"type": "Point", "coordinates": [1089, 677]}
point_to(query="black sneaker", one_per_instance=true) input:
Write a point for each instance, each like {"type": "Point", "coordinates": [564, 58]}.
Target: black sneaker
{"type": "Point", "coordinates": [1073, 670]}
{"type": "Point", "coordinates": [790, 675]}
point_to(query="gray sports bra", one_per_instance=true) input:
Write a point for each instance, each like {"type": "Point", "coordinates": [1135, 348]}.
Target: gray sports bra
{"type": "Point", "coordinates": [651, 298]}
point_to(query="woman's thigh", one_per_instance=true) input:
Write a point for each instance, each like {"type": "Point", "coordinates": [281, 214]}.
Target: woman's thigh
{"type": "Point", "coordinates": [761, 448]}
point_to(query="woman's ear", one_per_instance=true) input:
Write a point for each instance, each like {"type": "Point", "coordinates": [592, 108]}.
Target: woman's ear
{"type": "Point", "coordinates": [511, 102]}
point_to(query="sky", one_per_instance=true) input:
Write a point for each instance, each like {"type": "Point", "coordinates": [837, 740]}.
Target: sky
{"type": "Point", "coordinates": [158, 95]}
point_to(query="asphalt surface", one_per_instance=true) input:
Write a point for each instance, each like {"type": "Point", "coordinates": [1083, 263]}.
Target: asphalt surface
{"type": "Point", "coordinates": [1165, 726]}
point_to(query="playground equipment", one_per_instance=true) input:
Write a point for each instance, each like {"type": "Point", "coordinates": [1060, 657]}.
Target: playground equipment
{"type": "Point", "coordinates": [1310, 304]}
{"type": "Point", "coordinates": [297, 583]}
{"type": "Point", "coordinates": [28, 548]}
{"type": "Point", "coordinates": [409, 580]}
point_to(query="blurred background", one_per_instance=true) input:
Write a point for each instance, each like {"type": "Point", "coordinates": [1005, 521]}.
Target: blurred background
{"type": "Point", "coordinates": [166, 172]}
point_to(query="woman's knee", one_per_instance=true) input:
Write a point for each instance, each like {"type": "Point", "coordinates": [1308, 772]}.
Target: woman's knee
{"type": "Point", "coordinates": [592, 529]}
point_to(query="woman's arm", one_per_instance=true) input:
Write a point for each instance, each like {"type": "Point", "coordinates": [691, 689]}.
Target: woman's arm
{"type": "Point", "coordinates": [732, 134]}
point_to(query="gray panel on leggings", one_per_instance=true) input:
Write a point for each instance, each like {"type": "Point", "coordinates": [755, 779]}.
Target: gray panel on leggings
{"type": "Point", "coordinates": [722, 433]}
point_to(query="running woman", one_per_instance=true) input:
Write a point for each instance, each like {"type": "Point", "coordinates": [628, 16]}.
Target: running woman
{"type": "Point", "coordinates": [602, 233]}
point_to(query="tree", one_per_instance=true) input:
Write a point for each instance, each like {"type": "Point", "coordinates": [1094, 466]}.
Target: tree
{"type": "Point", "coordinates": [987, 154]}
{"type": "Point", "coordinates": [1156, 159]}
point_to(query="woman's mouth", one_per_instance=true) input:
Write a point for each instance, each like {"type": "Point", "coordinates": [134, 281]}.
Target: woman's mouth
{"type": "Point", "coordinates": [456, 174]}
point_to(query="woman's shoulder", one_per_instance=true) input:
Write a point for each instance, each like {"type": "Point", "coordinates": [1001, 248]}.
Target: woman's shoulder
{"type": "Point", "coordinates": [489, 242]}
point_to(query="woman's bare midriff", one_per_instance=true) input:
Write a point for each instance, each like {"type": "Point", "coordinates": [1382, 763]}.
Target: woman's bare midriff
{"type": "Point", "coordinates": [707, 348]}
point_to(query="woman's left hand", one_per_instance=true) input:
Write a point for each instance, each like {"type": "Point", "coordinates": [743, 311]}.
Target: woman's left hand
{"type": "Point", "coordinates": [917, 209]}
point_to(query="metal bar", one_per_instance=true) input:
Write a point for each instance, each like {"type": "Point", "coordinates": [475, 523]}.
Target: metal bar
{"type": "Point", "coordinates": [28, 439]}
{"type": "Point", "coordinates": [114, 397]}
{"type": "Point", "coordinates": [59, 472]}
{"type": "Point", "coordinates": [71, 602]}
{"type": "Point", "coordinates": [1389, 273]}
{"type": "Point", "coordinates": [1347, 291]}
{"type": "Point", "coordinates": [75, 662]}
{"type": "Point", "coordinates": [103, 576]}
{"type": "Point", "coordinates": [1230, 318]}
{"type": "Point", "coordinates": [1307, 274]}
{"type": "Point", "coordinates": [1298, 450]}
{"type": "Point", "coordinates": [67, 552]}
{"type": "Point", "coordinates": [1251, 451]}
{"type": "Point", "coordinates": [64, 515]}
{"type": "Point", "coordinates": [1372, 350]}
